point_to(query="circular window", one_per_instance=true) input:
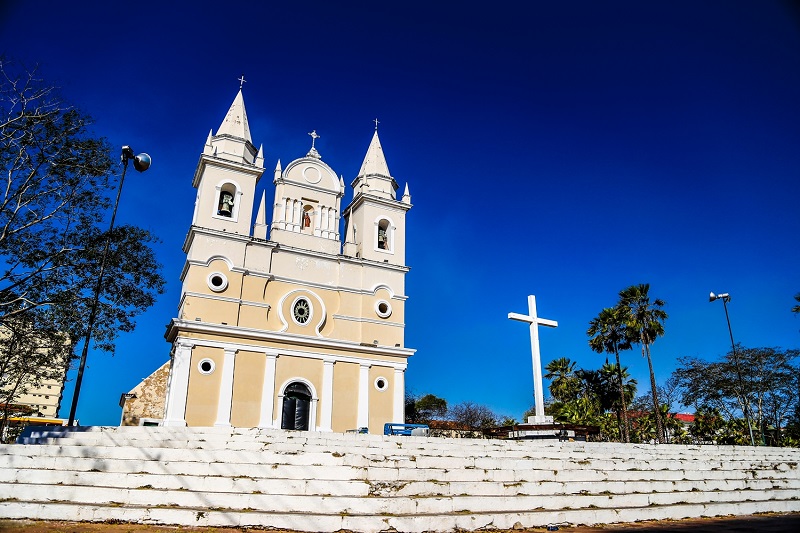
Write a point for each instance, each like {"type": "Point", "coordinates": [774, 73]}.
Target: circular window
{"type": "Point", "coordinates": [381, 384]}
{"type": "Point", "coordinates": [301, 311]}
{"type": "Point", "coordinates": [217, 281]}
{"type": "Point", "coordinates": [206, 366]}
{"type": "Point", "coordinates": [383, 308]}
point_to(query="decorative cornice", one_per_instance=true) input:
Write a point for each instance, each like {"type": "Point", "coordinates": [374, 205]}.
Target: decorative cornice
{"type": "Point", "coordinates": [178, 326]}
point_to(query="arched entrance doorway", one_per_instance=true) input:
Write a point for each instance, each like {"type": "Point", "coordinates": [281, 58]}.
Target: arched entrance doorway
{"type": "Point", "coordinates": [296, 406]}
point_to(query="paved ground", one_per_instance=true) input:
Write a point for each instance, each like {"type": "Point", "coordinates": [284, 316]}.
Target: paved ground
{"type": "Point", "coordinates": [772, 523]}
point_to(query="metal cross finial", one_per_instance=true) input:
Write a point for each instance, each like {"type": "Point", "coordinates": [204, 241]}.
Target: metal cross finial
{"type": "Point", "coordinates": [241, 81]}
{"type": "Point", "coordinates": [376, 121]}
{"type": "Point", "coordinates": [314, 137]}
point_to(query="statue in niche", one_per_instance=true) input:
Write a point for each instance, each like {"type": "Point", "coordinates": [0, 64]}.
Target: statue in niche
{"type": "Point", "coordinates": [306, 220]}
{"type": "Point", "coordinates": [226, 204]}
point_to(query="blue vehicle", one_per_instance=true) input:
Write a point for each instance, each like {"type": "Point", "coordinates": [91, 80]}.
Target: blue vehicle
{"type": "Point", "coordinates": [390, 428]}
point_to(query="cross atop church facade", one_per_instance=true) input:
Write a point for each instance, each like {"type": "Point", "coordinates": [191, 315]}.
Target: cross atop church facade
{"type": "Point", "coordinates": [534, 321]}
{"type": "Point", "coordinates": [314, 136]}
{"type": "Point", "coordinates": [241, 81]}
{"type": "Point", "coordinates": [376, 121]}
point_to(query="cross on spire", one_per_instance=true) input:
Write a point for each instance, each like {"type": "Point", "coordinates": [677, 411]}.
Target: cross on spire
{"type": "Point", "coordinates": [535, 322]}
{"type": "Point", "coordinates": [241, 81]}
{"type": "Point", "coordinates": [376, 121]}
{"type": "Point", "coordinates": [314, 136]}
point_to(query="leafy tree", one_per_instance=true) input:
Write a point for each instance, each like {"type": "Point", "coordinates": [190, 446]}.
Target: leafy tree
{"type": "Point", "coordinates": [761, 380]}
{"type": "Point", "coordinates": [421, 410]}
{"type": "Point", "coordinates": [57, 177]}
{"type": "Point", "coordinates": [646, 318]}
{"type": "Point", "coordinates": [796, 308]}
{"type": "Point", "coordinates": [609, 333]}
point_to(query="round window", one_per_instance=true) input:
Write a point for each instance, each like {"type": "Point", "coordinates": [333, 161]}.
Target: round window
{"type": "Point", "coordinates": [206, 366]}
{"type": "Point", "coordinates": [383, 308]}
{"type": "Point", "coordinates": [381, 384]}
{"type": "Point", "coordinates": [217, 281]}
{"type": "Point", "coordinates": [301, 311]}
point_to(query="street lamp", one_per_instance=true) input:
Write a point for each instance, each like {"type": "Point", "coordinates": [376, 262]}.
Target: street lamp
{"type": "Point", "coordinates": [141, 163]}
{"type": "Point", "coordinates": [725, 297]}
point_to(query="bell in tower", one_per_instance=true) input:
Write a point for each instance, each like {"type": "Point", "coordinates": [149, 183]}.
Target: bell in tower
{"type": "Point", "coordinates": [225, 204]}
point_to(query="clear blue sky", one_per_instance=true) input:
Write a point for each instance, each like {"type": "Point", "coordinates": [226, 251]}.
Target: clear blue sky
{"type": "Point", "coordinates": [562, 149]}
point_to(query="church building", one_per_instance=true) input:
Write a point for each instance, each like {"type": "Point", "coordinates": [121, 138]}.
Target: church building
{"type": "Point", "coordinates": [295, 325]}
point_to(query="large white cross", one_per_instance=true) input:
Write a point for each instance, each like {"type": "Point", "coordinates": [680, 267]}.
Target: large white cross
{"type": "Point", "coordinates": [535, 322]}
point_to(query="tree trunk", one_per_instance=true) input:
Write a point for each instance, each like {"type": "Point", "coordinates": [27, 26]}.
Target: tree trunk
{"type": "Point", "coordinates": [624, 429]}
{"type": "Point", "coordinates": [657, 412]}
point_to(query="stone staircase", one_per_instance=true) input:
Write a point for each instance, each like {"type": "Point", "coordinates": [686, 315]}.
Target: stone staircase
{"type": "Point", "coordinates": [325, 482]}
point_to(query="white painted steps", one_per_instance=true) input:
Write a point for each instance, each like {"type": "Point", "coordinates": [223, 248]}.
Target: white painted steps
{"type": "Point", "coordinates": [371, 483]}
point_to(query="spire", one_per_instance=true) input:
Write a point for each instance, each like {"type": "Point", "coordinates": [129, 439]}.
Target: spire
{"type": "Point", "coordinates": [260, 157]}
{"type": "Point", "coordinates": [406, 195]}
{"type": "Point", "coordinates": [260, 226]}
{"type": "Point", "coordinates": [374, 162]}
{"type": "Point", "coordinates": [277, 173]}
{"type": "Point", "coordinates": [235, 122]}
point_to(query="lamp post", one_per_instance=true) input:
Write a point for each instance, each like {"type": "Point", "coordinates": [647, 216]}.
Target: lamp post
{"type": "Point", "coordinates": [725, 297]}
{"type": "Point", "coordinates": [141, 163]}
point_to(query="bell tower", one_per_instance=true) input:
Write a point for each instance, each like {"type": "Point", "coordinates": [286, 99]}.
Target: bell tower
{"type": "Point", "coordinates": [227, 174]}
{"type": "Point", "coordinates": [376, 219]}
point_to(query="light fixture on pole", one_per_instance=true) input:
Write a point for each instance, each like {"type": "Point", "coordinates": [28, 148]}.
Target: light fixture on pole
{"type": "Point", "coordinates": [141, 163]}
{"type": "Point", "coordinates": [725, 297]}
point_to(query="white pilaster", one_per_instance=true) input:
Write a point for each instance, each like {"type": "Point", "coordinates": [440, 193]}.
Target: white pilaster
{"type": "Point", "coordinates": [327, 396]}
{"type": "Point", "coordinates": [363, 396]}
{"type": "Point", "coordinates": [178, 384]}
{"type": "Point", "coordinates": [268, 393]}
{"type": "Point", "coordinates": [226, 390]}
{"type": "Point", "coordinates": [399, 400]}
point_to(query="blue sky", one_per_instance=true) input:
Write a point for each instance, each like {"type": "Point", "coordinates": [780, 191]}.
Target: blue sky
{"type": "Point", "coordinates": [562, 149]}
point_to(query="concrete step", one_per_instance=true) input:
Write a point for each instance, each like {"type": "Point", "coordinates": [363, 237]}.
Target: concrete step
{"type": "Point", "coordinates": [374, 523]}
{"type": "Point", "coordinates": [238, 438]}
{"type": "Point", "coordinates": [369, 457]}
{"type": "Point", "coordinates": [323, 487]}
{"type": "Point", "coordinates": [326, 482]}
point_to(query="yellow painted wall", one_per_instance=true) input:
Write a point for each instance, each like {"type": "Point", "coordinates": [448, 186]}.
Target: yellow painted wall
{"type": "Point", "coordinates": [247, 383]}
{"type": "Point", "coordinates": [203, 395]}
{"type": "Point", "coordinates": [345, 396]}
{"type": "Point", "coordinates": [380, 402]}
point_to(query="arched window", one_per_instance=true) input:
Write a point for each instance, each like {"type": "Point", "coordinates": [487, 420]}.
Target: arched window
{"type": "Point", "coordinates": [296, 407]}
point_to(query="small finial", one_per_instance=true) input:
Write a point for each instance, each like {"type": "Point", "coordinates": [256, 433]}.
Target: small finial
{"type": "Point", "coordinates": [241, 82]}
{"type": "Point", "coordinates": [376, 121]}
{"type": "Point", "coordinates": [314, 137]}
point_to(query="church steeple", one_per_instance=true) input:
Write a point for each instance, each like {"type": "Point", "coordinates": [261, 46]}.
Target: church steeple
{"type": "Point", "coordinates": [375, 220]}
{"type": "Point", "coordinates": [374, 177]}
{"type": "Point", "coordinates": [235, 122]}
{"type": "Point", "coordinates": [232, 141]}
{"type": "Point", "coordinates": [374, 161]}
{"type": "Point", "coordinates": [227, 174]}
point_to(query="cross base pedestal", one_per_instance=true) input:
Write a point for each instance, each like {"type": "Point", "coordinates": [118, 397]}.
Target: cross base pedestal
{"type": "Point", "coordinates": [540, 419]}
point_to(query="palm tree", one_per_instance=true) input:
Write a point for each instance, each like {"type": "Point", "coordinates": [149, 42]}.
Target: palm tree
{"type": "Point", "coordinates": [616, 397]}
{"type": "Point", "coordinates": [609, 333]}
{"type": "Point", "coordinates": [796, 308]}
{"type": "Point", "coordinates": [563, 383]}
{"type": "Point", "coordinates": [646, 318]}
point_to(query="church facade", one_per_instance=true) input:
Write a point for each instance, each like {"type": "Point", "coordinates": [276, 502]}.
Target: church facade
{"type": "Point", "coordinates": [295, 324]}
